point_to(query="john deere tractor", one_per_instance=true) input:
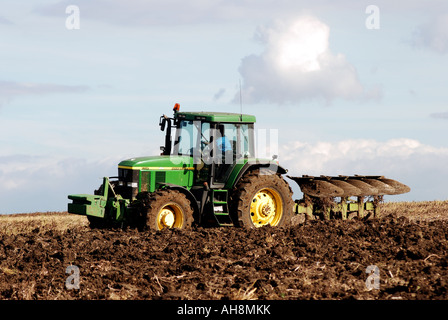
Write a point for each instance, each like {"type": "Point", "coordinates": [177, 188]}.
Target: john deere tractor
{"type": "Point", "coordinates": [209, 175]}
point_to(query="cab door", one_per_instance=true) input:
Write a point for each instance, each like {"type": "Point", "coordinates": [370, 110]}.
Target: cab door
{"type": "Point", "coordinates": [227, 147]}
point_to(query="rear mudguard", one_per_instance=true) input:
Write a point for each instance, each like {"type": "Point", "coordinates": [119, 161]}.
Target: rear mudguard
{"type": "Point", "coordinates": [268, 167]}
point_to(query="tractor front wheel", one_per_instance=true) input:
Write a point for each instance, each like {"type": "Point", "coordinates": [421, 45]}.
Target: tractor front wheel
{"type": "Point", "coordinates": [167, 209]}
{"type": "Point", "coordinates": [262, 199]}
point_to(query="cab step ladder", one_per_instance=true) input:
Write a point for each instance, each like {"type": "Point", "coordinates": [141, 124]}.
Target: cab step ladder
{"type": "Point", "coordinates": [221, 207]}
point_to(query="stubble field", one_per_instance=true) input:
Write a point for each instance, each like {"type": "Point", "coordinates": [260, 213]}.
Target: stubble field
{"type": "Point", "coordinates": [406, 249]}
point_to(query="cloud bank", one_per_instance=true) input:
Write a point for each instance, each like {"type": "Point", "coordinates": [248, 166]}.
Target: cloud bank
{"type": "Point", "coordinates": [149, 13]}
{"type": "Point", "coordinates": [10, 89]}
{"type": "Point", "coordinates": [297, 64]}
{"type": "Point", "coordinates": [42, 183]}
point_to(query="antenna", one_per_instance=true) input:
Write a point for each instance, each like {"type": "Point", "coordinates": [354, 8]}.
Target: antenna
{"type": "Point", "coordinates": [241, 104]}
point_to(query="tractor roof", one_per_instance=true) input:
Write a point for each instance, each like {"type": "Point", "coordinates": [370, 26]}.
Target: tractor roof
{"type": "Point", "coordinates": [216, 116]}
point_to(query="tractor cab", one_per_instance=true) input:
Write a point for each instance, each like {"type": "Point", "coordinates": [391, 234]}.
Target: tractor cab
{"type": "Point", "coordinates": [215, 142]}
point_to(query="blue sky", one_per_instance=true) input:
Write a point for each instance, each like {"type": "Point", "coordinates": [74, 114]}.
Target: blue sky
{"type": "Point", "coordinates": [344, 99]}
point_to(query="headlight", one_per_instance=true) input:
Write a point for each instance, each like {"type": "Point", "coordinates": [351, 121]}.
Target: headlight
{"type": "Point", "coordinates": [132, 184]}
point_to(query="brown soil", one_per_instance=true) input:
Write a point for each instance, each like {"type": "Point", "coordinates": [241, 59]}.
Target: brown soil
{"type": "Point", "coordinates": [312, 260]}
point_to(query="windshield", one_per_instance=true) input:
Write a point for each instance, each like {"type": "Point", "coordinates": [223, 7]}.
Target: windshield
{"type": "Point", "coordinates": [187, 137]}
{"type": "Point", "coordinates": [193, 138]}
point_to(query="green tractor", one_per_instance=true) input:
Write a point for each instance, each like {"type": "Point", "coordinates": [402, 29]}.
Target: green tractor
{"type": "Point", "coordinates": [209, 175]}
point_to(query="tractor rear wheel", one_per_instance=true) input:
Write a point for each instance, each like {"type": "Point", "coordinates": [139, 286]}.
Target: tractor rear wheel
{"type": "Point", "coordinates": [262, 199]}
{"type": "Point", "coordinates": [167, 209]}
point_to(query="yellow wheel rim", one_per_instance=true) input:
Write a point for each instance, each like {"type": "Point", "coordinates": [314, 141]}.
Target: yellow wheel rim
{"type": "Point", "coordinates": [170, 216]}
{"type": "Point", "coordinates": [266, 208]}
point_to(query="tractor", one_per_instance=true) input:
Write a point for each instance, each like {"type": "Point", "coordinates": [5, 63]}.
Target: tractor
{"type": "Point", "coordinates": [209, 175]}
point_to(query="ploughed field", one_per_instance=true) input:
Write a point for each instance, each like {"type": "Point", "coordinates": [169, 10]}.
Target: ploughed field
{"type": "Point", "coordinates": [401, 255]}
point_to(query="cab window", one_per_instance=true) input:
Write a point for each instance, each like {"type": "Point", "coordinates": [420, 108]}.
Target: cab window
{"type": "Point", "coordinates": [187, 135]}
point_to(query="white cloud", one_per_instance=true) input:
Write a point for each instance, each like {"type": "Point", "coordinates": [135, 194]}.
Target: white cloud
{"type": "Point", "coordinates": [297, 64]}
{"type": "Point", "coordinates": [297, 45]}
{"type": "Point", "coordinates": [421, 167]}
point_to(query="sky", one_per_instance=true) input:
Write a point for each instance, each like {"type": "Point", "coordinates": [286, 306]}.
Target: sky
{"type": "Point", "coordinates": [348, 87]}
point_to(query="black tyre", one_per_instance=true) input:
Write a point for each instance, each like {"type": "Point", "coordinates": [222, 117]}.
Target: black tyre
{"type": "Point", "coordinates": [262, 199]}
{"type": "Point", "coordinates": [167, 209]}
